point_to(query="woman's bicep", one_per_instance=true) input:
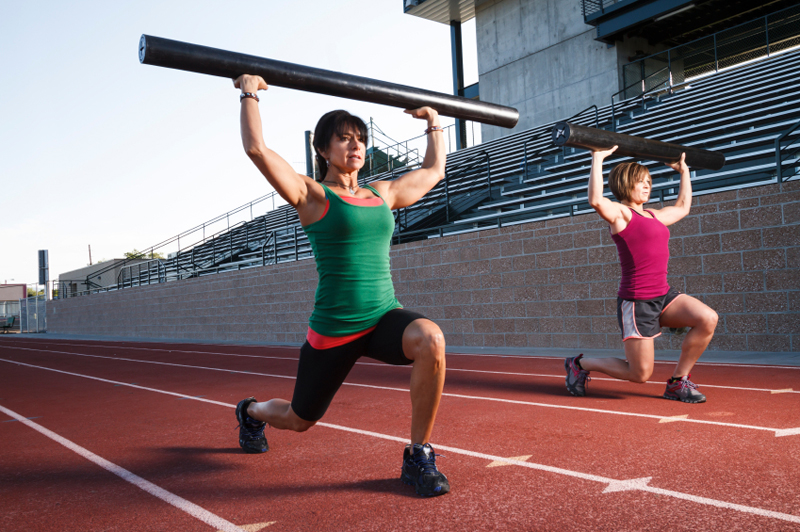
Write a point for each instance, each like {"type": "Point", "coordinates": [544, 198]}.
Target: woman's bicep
{"type": "Point", "coordinates": [409, 188]}
{"type": "Point", "coordinates": [607, 209]}
{"type": "Point", "coordinates": [670, 215]}
{"type": "Point", "coordinates": [284, 179]}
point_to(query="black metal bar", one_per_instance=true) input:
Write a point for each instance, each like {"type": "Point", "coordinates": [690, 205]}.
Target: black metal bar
{"type": "Point", "coordinates": [296, 251]}
{"type": "Point", "coordinates": [447, 197]}
{"type": "Point", "coordinates": [766, 32]}
{"type": "Point", "coordinates": [458, 78]}
{"type": "Point", "coordinates": [589, 138]}
{"type": "Point", "coordinates": [215, 62]}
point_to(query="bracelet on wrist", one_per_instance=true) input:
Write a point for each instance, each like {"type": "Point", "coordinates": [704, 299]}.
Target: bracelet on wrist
{"type": "Point", "coordinates": [252, 95]}
{"type": "Point", "coordinates": [433, 128]}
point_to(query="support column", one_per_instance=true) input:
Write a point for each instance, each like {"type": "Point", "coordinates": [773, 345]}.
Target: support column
{"type": "Point", "coordinates": [458, 78]}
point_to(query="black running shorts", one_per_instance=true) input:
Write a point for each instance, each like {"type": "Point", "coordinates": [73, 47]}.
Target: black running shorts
{"type": "Point", "coordinates": [639, 318]}
{"type": "Point", "coordinates": [321, 372]}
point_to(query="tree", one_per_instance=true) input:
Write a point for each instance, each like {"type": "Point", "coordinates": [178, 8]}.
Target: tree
{"type": "Point", "coordinates": [136, 254]}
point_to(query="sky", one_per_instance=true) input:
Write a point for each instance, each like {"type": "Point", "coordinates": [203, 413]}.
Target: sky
{"type": "Point", "coordinates": [99, 150]}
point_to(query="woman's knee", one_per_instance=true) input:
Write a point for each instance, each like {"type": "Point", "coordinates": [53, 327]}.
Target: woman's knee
{"type": "Point", "coordinates": [710, 320]}
{"type": "Point", "coordinates": [425, 339]}
{"type": "Point", "coordinates": [301, 425]}
{"type": "Point", "coordinates": [640, 374]}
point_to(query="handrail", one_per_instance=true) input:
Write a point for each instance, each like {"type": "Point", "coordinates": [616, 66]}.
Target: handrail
{"type": "Point", "coordinates": [596, 116]}
{"type": "Point", "coordinates": [176, 238]}
{"type": "Point", "coordinates": [644, 92]}
{"type": "Point", "coordinates": [159, 266]}
{"type": "Point", "coordinates": [778, 142]}
{"type": "Point", "coordinates": [536, 136]}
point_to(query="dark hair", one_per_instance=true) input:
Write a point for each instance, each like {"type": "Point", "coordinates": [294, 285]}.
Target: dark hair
{"type": "Point", "coordinates": [623, 179]}
{"type": "Point", "coordinates": [338, 123]}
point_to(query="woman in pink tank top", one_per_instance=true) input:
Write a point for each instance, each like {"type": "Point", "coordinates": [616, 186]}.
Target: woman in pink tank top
{"type": "Point", "coordinates": [645, 301]}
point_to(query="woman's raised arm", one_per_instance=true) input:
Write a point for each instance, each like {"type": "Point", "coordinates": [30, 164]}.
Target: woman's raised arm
{"type": "Point", "coordinates": [670, 215]}
{"type": "Point", "coordinates": [607, 209]}
{"type": "Point", "coordinates": [291, 186]}
{"type": "Point", "coordinates": [410, 188]}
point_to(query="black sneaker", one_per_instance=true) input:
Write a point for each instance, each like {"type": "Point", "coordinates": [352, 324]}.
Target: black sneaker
{"type": "Point", "coordinates": [683, 390]}
{"type": "Point", "coordinates": [419, 470]}
{"type": "Point", "coordinates": [251, 431]}
{"type": "Point", "coordinates": [576, 376]}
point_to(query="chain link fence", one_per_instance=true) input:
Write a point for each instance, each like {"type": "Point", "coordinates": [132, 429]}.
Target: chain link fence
{"type": "Point", "coordinates": [33, 314]}
{"type": "Point", "coordinates": [760, 38]}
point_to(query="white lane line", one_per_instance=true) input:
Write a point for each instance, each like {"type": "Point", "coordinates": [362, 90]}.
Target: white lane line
{"type": "Point", "coordinates": [661, 383]}
{"type": "Point", "coordinates": [777, 432]}
{"type": "Point", "coordinates": [178, 502]}
{"type": "Point", "coordinates": [635, 484]}
{"type": "Point", "coordinates": [517, 374]}
{"type": "Point", "coordinates": [488, 355]}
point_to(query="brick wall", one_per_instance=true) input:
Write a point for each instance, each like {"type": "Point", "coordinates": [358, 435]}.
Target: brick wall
{"type": "Point", "coordinates": [542, 284]}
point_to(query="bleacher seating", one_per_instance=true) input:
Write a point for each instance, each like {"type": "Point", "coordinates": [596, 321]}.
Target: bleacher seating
{"type": "Point", "coordinates": [523, 177]}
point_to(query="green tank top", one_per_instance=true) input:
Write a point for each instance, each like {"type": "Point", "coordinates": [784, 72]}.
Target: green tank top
{"type": "Point", "coordinates": [351, 246]}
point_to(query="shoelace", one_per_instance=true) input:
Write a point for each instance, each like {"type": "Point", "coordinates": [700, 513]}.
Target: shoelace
{"type": "Point", "coordinates": [252, 431]}
{"type": "Point", "coordinates": [685, 383]}
{"type": "Point", "coordinates": [581, 374]}
{"type": "Point", "coordinates": [427, 465]}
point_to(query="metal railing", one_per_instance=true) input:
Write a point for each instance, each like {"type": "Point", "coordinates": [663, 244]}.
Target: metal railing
{"type": "Point", "coordinates": [196, 235]}
{"type": "Point", "coordinates": [407, 152]}
{"type": "Point", "coordinates": [126, 277]}
{"type": "Point", "coordinates": [590, 7]}
{"type": "Point", "coordinates": [788, 147]}
{"type": "Point", "coordinates": [760, 38]}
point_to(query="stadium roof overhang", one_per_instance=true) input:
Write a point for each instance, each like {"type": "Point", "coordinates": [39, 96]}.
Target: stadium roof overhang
{"type": "Point", "coordinates": [672, 22]}
{"type": "Point", "coordinates": [443, 11]}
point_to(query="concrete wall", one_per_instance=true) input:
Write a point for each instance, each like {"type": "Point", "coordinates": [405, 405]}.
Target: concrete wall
{"type": "Point", "coordinates": [542, 284]}
{"type": "Point", "coordinates": [540, 57]}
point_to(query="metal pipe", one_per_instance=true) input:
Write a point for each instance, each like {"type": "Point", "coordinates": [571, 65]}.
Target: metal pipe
{"type": "Point", "coordinates": [215, 62]}
{"type": "Point", "coordinates": [589, 138]}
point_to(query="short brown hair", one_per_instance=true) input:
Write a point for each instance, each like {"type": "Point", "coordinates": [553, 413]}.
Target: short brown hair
{"type": "Point", "coordinates": [624, 177]}
{"type": "Point", "coordinates": [335, 123]}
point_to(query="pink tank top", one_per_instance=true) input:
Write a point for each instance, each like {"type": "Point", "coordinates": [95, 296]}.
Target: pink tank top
{"type": "Point", "coordinates": [643, 249]}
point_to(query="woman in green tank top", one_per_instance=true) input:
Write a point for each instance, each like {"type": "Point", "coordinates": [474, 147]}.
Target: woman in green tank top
{"type": "Point", "coordinates": [355, 310]}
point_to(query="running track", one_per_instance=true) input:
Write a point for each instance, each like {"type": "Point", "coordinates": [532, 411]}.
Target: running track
{"type": "Point", "coordinates": [138, 436]}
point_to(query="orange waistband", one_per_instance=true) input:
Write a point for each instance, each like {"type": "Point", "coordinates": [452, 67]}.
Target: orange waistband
{"type": "Point", "coordinates": [319, 341]}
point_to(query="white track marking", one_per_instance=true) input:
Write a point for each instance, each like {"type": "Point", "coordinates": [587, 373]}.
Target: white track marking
{"type": "Point", "coordinates": [255, 527]}
{"type": "Point", "coordinates": [178, 502]}
{"type": "Point", "coordinates": [628, 485]}
{"type": "Point", "coordinates": [488, 355]}
{"type": "Point", "coordinates": [661, 383]}
{"type": "Point", "coordinates": [674, 418]}
{"type": "Point", "coordinates": [445, 394]}
{"type": "Point", "coordinates": [518, 374]}
{"type": "Point", "coordinates": [520, 458]}
{"type": "Point", "coordinates": [636, 484]}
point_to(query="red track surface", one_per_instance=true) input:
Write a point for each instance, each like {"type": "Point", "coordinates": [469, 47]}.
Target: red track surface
{"type": "Point", "coordinates": [726, 466]}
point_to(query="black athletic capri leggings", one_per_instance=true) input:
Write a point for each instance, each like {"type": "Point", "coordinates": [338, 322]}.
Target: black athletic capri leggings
{"type": "Point", "coordinates": [321, 372]}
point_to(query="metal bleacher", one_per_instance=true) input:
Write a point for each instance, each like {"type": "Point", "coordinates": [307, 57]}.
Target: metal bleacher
{"type": "Point", "coordinates": [750, 113]}
{"type": "Point", "coordinates": [741, 113]}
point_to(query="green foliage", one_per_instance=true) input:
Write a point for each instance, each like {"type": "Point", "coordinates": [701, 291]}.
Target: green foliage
{"type": "Point", "coordinates": [136, 254]}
